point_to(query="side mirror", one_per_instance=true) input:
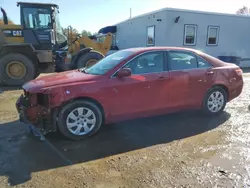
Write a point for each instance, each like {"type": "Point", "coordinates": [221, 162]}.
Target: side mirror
{"type": "Point", "coordinates": [124, 72]}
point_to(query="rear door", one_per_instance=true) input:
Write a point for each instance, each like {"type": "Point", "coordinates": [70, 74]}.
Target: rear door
{"type": "Point", "coordinates": [190, 77]}
{"type": "Point", "coordinates": [180, 68]}
{"type": "Point", "coordinates": [201, 79]}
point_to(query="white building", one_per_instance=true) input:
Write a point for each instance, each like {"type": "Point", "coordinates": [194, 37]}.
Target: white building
{"type": "Point", "coordinates": [214, 33]}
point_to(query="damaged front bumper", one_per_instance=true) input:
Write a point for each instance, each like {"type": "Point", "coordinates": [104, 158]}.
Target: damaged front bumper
{"type": "Point", "coordinates": [21, 107]}
{"type": "Point", "coordinates": [36, 116]}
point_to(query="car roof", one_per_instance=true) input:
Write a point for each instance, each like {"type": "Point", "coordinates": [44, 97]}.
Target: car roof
{"type": "Point", "coordinates": [145, 49]}
{"type": "Point", "coordinates": [215, 61]}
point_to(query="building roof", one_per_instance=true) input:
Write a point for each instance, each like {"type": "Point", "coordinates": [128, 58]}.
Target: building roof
{"type": "Point", "coordinates": [184, 10]}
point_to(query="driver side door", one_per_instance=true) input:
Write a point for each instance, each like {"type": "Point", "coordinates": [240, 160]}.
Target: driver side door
{"type": "Point", "coordinates": [137, 95]}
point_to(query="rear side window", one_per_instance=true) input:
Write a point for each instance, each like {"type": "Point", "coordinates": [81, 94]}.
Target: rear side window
{"type": "Point", "coordinates": [202, 63]}
{"type": "Point", "coordinates": [179, 60]}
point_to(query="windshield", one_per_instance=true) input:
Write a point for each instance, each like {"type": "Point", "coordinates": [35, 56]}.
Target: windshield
{"type": "Point", "coordinates": [107, 63]}
{"type": "Point", "coordinates": [37, 18]}
{"type": "Point", "coordinates": [60, 37]}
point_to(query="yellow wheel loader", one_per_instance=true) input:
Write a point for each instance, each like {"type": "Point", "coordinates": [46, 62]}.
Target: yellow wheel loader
{"type": "Point", "coordinates": [38, 45]}
{"type": "Point", "coordinates": [85, 51]}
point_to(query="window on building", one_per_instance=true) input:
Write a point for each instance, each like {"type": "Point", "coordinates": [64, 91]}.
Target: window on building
{"type": "Point", "coordinates": [151, 36]}
{"type": "Point", "coordinates": [114, 43]}
{"type": "Point", "coordinates": [212, 35]}
{"type": "Point", "coordinates": [190, 35]}
{"type": "Point", "coordinates": [152, 62]}
{"type": "Point", "coordinates": [179, 60]}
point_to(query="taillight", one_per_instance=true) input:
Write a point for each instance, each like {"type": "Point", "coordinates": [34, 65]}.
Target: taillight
{"type": "Point", "coordinates": [239, 72]}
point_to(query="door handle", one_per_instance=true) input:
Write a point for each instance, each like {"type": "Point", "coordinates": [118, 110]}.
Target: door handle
{"type": "Point", "coordinates": [161, 78]}
{"type": "Point", "coordinates": [210, 73]}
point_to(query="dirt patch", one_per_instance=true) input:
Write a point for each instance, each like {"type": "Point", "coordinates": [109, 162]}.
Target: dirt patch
{"type": "Point", "coordinates": [7, 107]}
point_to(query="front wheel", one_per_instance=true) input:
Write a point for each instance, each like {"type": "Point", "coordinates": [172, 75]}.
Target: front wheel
{"type": "Point", "coordinates": [79, 119]}
{"type": "Point", "coordinates": [215, 101]}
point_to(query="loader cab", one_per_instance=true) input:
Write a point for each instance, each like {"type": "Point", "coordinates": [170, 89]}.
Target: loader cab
{"type": "Point", "coordinates": [41, 25]}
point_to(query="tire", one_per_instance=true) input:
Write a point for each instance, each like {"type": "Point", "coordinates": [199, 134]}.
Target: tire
{"type": "Point", "coordinates": [83, 59]}
{"type": "Point", "coordinates": [72, 107]}
{"type": "Point", "coordinates": [209, 105]}
{"type": "Point", "coordinates": [23, 61]}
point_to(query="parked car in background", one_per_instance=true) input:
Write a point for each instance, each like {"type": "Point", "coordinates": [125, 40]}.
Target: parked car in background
{"type": "Point", "coordinates": [131, 83]}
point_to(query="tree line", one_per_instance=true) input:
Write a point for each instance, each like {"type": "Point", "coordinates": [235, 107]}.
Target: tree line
{"type": "Point", "coordinates": [243, 11]}
{"type": "Point", "coordinates": [75, 31]}
{"type": "Point", "coordinates": [9, 21]}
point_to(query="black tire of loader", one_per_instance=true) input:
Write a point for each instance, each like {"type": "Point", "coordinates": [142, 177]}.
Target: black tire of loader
{"type": "Point", "coordinates": [30, 69]}
{"type": "Point", "coordinates": [83, 59]}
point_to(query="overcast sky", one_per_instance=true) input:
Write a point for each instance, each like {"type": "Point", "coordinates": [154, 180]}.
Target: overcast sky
{"type": "Point", "coordinates": [94, 14]}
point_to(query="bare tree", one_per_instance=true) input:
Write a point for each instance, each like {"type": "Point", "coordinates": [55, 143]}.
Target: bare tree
{"type": "Point", "coordinates": [86, 33]}
{"type": "Point", "coordinates": [9, 21]}
{"type": "Point", "coordinates": [243, 11]}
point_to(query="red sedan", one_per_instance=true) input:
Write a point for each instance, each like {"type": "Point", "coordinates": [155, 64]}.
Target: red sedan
{"type": "Point", "coordinates": [131, 83]}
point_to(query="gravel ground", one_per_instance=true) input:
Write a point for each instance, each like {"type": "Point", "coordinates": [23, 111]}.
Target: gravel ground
{"type": "Point", "coordinates": [178, 150]}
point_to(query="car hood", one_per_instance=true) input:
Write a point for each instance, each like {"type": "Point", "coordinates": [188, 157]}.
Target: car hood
{"type": "Point", "coordinates": [57, 79]}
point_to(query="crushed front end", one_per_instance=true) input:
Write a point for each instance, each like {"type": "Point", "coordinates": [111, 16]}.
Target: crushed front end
{"type": "Point", "coordinates": [34, 109]}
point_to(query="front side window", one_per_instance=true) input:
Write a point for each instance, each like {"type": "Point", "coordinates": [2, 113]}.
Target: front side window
{"type": "Point", "coordinates": [151, 36]}
{"type": "Point", "coordinates": [190, 35]}
{"type": "Point", "coordinates": [212, 35]}
{"type": "Point", "coordinates": [37, 18]}
{"type": "Point", "coordinates": [152, 62]}
{"type": "Point", "coordinates": [179, 60]}
{"type": "Point", "coordinates": [109, 62]}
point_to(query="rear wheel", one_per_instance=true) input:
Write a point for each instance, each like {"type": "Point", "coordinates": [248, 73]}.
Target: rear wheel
{"type": "Point", "coordinates": [16, 69]}
{"type": "Point", "coordinates": [215, 101]}
{"type": "Point", "coordinates": [79, 119]}
{"type": "Point", "coordinates": [88, 59]}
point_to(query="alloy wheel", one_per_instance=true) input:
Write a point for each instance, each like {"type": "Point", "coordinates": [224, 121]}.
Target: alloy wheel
{"type": "Point", "coordinates": [81, 121]}
{"type": "Point", "coordinates": [215, 101]}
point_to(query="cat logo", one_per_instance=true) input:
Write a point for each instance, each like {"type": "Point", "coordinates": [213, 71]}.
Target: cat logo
{"type": "Point", "coordinates": [17, 33]}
